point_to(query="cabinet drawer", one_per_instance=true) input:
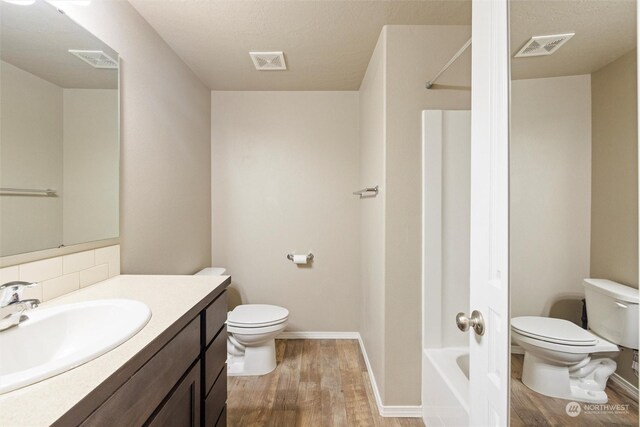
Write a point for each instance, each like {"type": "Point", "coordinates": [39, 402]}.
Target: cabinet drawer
{"type": "Point", "coordinates": [215, 358]}
{"type": "Point", "coordinates": [137, 399]}
{"type": "Point", "coordinates": [182, 408]}
{"type": "Point", "coordinates": [215, 316]}
{"type": "Point", "coordinates": [216, 400]}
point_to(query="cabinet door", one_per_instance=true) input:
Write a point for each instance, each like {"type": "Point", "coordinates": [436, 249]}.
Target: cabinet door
{"type": "Point", "coordinates": [182, 407]}
{"type": "Point", "coordinates": [222, 421]}
{"type": "Point", "coordinates": [139, 398]}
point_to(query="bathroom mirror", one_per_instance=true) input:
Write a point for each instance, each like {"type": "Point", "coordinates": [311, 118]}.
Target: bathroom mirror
{"type": "Point", "coordinates": [573, 203]}
{"type": "Point", "coordinates": [59, 136]}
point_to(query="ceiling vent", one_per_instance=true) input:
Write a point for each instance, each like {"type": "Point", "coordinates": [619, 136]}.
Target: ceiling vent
{"type": "Point", "coordinates": [268, 61]}
{"type": "Point", "coordinates": [543, 45]}
{"type": "Point", "coordinates": [95, 58]}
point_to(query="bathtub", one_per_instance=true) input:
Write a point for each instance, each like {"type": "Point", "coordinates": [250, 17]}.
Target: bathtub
{"type": "Point", "coordinates": [445, 386]}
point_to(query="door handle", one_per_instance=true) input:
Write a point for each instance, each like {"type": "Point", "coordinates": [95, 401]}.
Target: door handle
{"type": "Point", "coordinates": [476, 322]}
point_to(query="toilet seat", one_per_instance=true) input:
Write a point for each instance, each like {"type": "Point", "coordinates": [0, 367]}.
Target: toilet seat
{"type": "Point", "coordinates": [257, 316]}
{"type": "Point", "coordinates": [253, 330]}
{"type": "Point", "coordinates": [601, 346]}
{"type": "Point", "coordinates": [557, 331]}
{"type": "Point", "coordinates": [559, 335]}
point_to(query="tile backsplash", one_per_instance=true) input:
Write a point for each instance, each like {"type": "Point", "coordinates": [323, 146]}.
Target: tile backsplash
{"type": "Point", "coordinates": [61, 275]}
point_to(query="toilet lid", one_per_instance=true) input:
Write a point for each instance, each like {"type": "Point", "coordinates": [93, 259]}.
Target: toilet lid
{"type": "Point", "coordinates": [257, 315]}
{"type": "Point", "coordinates": [552, 330]}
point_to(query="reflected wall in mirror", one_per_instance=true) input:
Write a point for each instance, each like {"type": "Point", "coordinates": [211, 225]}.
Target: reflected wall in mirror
{"type": "Point", "coordinates": [59, 132]}
{"type": "Point", "coordinates": [574, 206]}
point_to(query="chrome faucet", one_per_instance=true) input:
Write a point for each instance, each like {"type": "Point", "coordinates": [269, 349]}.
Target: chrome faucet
{"type": "Point", "coordinates": [12, 307]}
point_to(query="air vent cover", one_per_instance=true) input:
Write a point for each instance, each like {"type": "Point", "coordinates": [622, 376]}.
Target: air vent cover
{"type": "Point", "coordinates": [95, 58]}
{"type": "Point", "coordinates": [268, 61]}
{"type": "Point", "coordinates": [543, 45]}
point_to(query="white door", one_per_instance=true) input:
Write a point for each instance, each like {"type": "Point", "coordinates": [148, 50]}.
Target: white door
{"type": "Point", "coordinates": [489, 244]}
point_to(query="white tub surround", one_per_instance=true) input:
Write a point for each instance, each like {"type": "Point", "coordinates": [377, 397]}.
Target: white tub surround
{"type": "Point", "coordinates": [445, 386]}
{"type": "Point", "coordinates": [173, 300]}
{"type": "Point", "coordinates": [445, 250]}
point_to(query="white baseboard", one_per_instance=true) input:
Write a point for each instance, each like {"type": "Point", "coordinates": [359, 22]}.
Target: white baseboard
{"type": "Point", "coordinates": [625, 385]}
{"type": "Point", "coordinates": [384, 410]}
{"type": "Point", "coordinates": [318, 336]}
{"type": "Point", "coordinates": [387, 410]}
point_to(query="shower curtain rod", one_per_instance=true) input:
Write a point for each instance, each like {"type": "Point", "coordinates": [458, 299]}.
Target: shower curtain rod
{"type": "Point", "coordinates": [430, 83]}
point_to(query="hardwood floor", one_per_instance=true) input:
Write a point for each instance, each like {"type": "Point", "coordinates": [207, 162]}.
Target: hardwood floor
{"type": "Point", "coordinates": [326, 383]}
{"type": "Point", "coordinates": [316, 383]}
{"type": "Point", "coordinates": [529, 408]}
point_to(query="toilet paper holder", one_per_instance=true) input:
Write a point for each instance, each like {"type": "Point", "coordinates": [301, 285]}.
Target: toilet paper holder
{"type": "Point", "coordinates": [309, 257]}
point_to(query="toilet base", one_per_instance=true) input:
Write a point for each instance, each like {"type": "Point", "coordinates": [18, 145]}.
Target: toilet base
{"type": "Point", "coordinates": [584, 382]}
{"type": "Point", "coordinates": [256, 360]}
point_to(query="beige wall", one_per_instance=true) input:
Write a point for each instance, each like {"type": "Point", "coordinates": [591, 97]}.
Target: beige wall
{"type": "Point", "coordinates": [165, 214]}
{"type": "Point", "coordinates": [30, 157]}
{"type": "Point", "coordinates": [414, 54]}
{"type": "Point", "coordinates": [372, 210]}
{"type": "Point", "coordinates": [550, 149]}
{"type": "Point", "coordinates": [91, 165]}
{"type": "Point", "coordinates": [614, 209]}
{"type": "Point", "coordinates": [284, 167]}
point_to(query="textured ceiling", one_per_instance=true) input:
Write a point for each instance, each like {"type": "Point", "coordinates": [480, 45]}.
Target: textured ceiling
{"type": "Point", "coordinates": [37, 38]}
{"type": "Point", "coordinates": [327, 44]}
{"type": "Point", "coordinates": [605, 30]}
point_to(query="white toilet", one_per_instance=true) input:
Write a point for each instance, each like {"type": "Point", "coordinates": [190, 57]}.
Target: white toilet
{"type": "Point", "coordinates": [252, 329]}
{"type": "Point", "coordinates": [565, 361]}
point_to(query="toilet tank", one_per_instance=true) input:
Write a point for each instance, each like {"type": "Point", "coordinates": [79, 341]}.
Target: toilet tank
{"type": "Point", "coordinates": [211, 271]}
{"type": "Point", "coordinates": [612, 310]}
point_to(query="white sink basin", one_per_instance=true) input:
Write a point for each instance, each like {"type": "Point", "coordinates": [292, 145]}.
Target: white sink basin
{"type": "Point", "coordinates": [54, 340]}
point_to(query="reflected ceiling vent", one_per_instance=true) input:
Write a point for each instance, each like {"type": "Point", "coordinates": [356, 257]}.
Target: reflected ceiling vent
{"type": "Point", "coordinates": [543, 45]}
{"type": "Point", "coordinates": [268, 61]}
{"type": "Point", "coordinates": [95, 58]}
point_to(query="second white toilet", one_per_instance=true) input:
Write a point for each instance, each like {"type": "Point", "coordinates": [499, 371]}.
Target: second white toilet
{"type": "Point", "coordinates": [565, 361]}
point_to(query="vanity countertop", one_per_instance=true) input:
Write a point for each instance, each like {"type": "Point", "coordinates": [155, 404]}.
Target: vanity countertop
{"type": "Point", "coordinates": [173, 300]}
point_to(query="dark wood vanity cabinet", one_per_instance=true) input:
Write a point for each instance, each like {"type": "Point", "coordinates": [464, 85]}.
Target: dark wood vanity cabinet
{"type": "Point", "coordinates": [182, 408]}
{"type": "Point", "coordinates": [200, 398]}
{"type": "Point", "coordinates": [214, 372]}
{"type": "Point", "coordinates": [183, 384]}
